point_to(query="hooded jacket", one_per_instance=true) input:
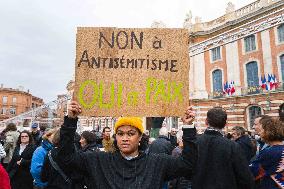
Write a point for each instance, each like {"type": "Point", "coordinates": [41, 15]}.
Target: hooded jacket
{"type": "Point", "coordinates": [37, 162]}
{"type": "Point", "coordinates": [112, 171]}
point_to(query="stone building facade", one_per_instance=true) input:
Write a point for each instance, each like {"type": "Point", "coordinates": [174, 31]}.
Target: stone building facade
{"type": "Point", "coordinates": [238, 49]}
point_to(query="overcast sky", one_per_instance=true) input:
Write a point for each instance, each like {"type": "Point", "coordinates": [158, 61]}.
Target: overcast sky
{"type": "Point", "coordinates": [37, 38]}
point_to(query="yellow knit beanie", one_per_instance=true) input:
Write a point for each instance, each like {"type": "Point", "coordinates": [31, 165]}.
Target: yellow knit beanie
{"type": "Point", "coordinates": [132, 121]}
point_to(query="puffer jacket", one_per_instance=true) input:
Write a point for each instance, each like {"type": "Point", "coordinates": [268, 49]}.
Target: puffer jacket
{"type": "Point", "coordinates": [37, 162]}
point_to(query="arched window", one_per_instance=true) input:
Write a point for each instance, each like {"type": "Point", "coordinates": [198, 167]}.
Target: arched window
{"type": "Point", "coordinates": [280, 31]}
{"type": "Point", "coordinates": [252, 74]}
{"type": "Point", "coordinates": [254, 111]}
{"type": "Point", "coordinates": [282, 67]}
{"type": "Point", "coordinates": [217, 80]}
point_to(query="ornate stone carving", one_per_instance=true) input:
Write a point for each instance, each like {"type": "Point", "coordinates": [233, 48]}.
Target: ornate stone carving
{"type": "Point", "coordinates": [230, 8]}
{"type": "Point", "coordinates": [265, 23]}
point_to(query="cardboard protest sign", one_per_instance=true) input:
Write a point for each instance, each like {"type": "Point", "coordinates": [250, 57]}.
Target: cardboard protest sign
{"type": "Point", "coordinates": [132, 72]}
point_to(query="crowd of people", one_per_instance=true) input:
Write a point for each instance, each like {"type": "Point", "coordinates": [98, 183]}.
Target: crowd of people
{"type": "Point", "coordinates": [127, 158]}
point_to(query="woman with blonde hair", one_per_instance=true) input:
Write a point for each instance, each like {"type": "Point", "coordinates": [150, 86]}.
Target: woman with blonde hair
{"type": "Point", "coordinates": [269, 164]}
{"type": "Point", "coordinates": [38, 158]}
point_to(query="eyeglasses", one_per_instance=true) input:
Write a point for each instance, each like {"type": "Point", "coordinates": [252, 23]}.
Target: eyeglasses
{"type": "Point", "coordinates": [25, 136]}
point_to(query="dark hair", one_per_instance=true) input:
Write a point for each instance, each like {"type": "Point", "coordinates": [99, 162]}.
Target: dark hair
{"type": "Point", "coordinates": [273, 130]}
{"type": "Point", "coordinates": [228, 135]}
{"type": "Point", "coordinates": [31, 139]}
{"type": "Point", "coordinates": [89, 137]}
{"type": "Point", "coordinates": [106, 128]}
{"type": "Point", "coordinates": [281, 112]}
{"type": "Point", "coordinates": [217, 118]}
{"type": "Point", "coordinates": [42, 128]}
{"type": "Point", "coordinates": [281, 107]}
{"type": "Point", "coordinates": [11, 127]}
{"type": "Point", "coordinates": [240, 130]}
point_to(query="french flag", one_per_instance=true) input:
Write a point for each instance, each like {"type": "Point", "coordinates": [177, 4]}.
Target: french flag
{"type": "Point", "coordinates": [269, 82]}
{"type": "Point", "coordinates": [233, 90]}
{"type": "Point", "coordinates": [226, 88]}
{"type": "Point", "coordinates": [263, 83]}
{"type": "Point", "coordinates": [273, 82]}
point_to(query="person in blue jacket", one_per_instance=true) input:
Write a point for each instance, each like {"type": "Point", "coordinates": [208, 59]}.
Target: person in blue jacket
{"type": "Point", "coordinates": [38, 158]}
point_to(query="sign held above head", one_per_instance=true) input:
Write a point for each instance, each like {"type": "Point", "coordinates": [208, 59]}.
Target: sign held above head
{"type": "Point", "coordinates": [132, 72]}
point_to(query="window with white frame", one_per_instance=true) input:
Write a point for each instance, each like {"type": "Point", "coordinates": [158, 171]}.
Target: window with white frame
{"type": "Point", "coordinates": [216, 53]}
{"type": "Point", "coordinates": [254, 111]}
{"type": "Point", "coordinates": [13, 111]}
{"type": "Point", "coordinates": [217, 80]}
{"type": "Point", "coordinates": [252, 74]}
{"type": "Point", "coordinates": [250, 43]}
{"type": "Point", "coordinates": [280, 32]}
{"type": "Point", "coordinates": [4, 99]}
{"type": "Point", "coordinates": [282, 66]}
{"type": "Point", "coordinates": [14, 100]}
{"type": "Point", "coordinates": [3, 111]}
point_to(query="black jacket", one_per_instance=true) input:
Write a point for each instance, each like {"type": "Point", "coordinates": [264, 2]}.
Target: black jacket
{"type": "Point", "coordinates": [53, 177]}
{"type": "Point", "coordinates": [162, 145]}
{"type": "Point", "coordinates": [20, 175]}
{"type": "Point", "coordinates": [246, 146]}
{"type": "Point", "coordinates": [78, 180]}
{"type": "Point", "coordinates": [221, 164]}
{"type": "Point", "coordinates": [112, 171]}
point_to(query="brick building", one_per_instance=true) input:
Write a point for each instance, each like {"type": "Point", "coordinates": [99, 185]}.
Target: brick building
{"type": "Point", "coordinates": [238, 49]}
{"type": "Point", "coordinates": [16, 101]}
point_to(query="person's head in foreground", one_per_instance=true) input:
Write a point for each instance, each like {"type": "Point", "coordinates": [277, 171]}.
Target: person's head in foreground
{"type": "Point", "coordinates": [128, 133]}
{"type": "Point", "coordinates": [272, 130]}
{"type": "Point", "coordinates": [216, 117]}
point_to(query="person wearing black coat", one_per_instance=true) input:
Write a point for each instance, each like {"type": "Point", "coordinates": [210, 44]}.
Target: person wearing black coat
{"type": "Point", "coordinates": [88, 144]}
{"type": "Point", "coordinates": [162, 145]}
{"type": "Point", "coordinates": [244, 141]}
{"type": "Point", "coordinates": [128, 167]}
{"type": "Point", "coordinates": [221, 163]}
{"type": "Point", "coordinates": [49, 174]}
{"type": "Point", "coordinates": [19, 167]}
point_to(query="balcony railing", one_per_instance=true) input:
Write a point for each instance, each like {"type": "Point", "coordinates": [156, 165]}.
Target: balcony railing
{"type": "Point", "coordinates": [259, 90]}
{"type": "Point", "coordinates": [217, 94]}
{"type": "Point", "coordinates": [247, 91]}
